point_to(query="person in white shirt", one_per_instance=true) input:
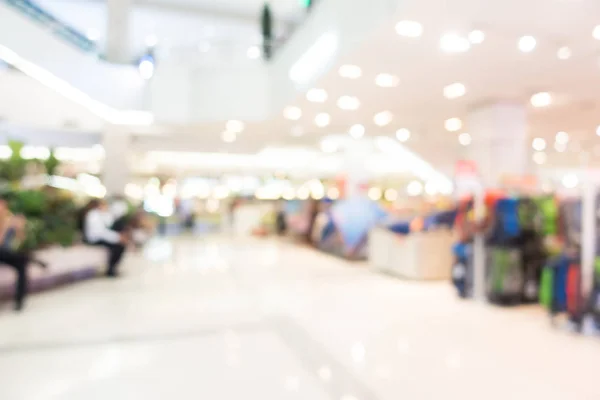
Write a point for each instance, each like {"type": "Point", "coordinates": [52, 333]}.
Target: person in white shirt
{"type": "Point", "coordinates": [97, 232]}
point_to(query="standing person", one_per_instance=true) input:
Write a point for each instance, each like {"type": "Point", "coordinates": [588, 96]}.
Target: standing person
{"type": "Point", "coordinates": [313, 212]}
{"type": "Point", "coordinates": [12, 230]}
{"type": "Point", "coordinates": [281, 219]}
{"type": "Point", "coordinates": [96, 232]}
{"type": "Point", "coordinates": [233, 205]}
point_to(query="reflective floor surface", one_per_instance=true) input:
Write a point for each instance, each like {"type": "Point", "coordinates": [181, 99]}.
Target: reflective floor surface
{"type": "Point", "coordinates": [217, 318]}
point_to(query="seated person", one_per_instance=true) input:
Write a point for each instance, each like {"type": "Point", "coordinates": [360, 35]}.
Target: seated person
{"type": "Point", "coordinates": [97, 232]}
{"type": "Point", "coordinates": [12, 231]}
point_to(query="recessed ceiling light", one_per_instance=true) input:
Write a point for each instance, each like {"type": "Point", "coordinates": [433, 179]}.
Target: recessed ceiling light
{"type": "Point", "coordinates": [464, 139]}
{"type": "Point", "coordinates": [410, 29]}
{"type": "Point", "coordinates": [387, 80]}
{"type": "Point", "coordinates": [293, 113]}
{"type": "Point", "coordinates": [598, 130]}
{"type": "Point", "coordinates": [453, 124]}
{"type": "Point", "coordinates": [93, 35]}
{"type": "Point", "coordinates": [431, 188]}
{"type": "Point", "coordinates": [322, 120]}
{"type": "Point", "coordinates": [235, 126]}
{"type": "Point", "coordinates": [350, 71]}
{"type": "Point", "coordinates": [564, 53]}
{"type": "Point", "coordinates": [539, 157]}
{"type": "Point", "coordinates": [253, 52]}
{"type": "Point", "coordinates": [391, 195]}
{"type": "Point", "coordinates": [383, 118]}
{"type": "Point", "coordinates": [415, 188]}
{"type": "Point", "coordinates": [596, 32]}
{"type": "Point", "coordinates": [146, 68]}
{"type": "Point", "coordinates": [329, 146]}
{"type": "Point", "coordinates": [542, 99]}
{"type": "Point", "coordinates": [454, 43]}
{"type": "Point", "coordinates": [562, 138]}
{"type": "Point", "coordinates": [527, 44]}
{"type": "Point", "coordinates": [403, 134]}
{"type": "Point", "coordinates": [374, 193]}
{"type": "Point", "coordinates": [357, 131]}
{"type": "Point", "coordinates": [316, 95]}
{"type": "Point", "coordinates": [538, 144]}
{"type": "Point", "coordinates": [570, 181]}
{"type": "Point", "coordinates": [455, 90]}
{"type": "Point", "coordinates": [229, 137]}
{"type": "Point", "coordinates": [348, 103]}
{"type": "Point", "coordinates": [476, 36]}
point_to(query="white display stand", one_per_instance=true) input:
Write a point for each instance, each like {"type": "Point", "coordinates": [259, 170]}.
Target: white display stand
{"type": "Point", "coordinates": [420, 256]}
{"type": "Point", "coordinates": [248, 217]}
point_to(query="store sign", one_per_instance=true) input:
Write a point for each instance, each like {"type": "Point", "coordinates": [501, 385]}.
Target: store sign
{"type": "Point", "coordinates": [519, 183]}
{"type": "Point", "coordinates": [466, 178]}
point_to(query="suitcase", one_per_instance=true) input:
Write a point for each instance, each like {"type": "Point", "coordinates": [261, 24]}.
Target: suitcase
{"type": "Point", "coordinates": [505, 278]}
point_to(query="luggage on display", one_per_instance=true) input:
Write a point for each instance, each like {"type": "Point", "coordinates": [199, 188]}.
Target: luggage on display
{"type": "Point", "coordinates": [462, 270]}
{"type": "Point", "coordinates": [515, 250]}
{"type": "Point", "coordinates": [505, 279]}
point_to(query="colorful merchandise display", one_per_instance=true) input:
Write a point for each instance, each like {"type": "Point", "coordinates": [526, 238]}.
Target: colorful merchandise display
{"type": "Point", "coordinates": [562, 278]}
{"type": "Point", "coordinates": [514, 231]}
{"type": "Point", "coordinates": [342, 228]}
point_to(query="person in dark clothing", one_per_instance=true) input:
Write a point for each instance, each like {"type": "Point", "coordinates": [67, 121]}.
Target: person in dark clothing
{"type": "Point", "coordinates": [97, 232]}
{"type": "Point", "coordinates": [281, 221]}
{"type": "Point", "coordinates": [313, 212]}
{"type": "Point", "coordinates": [12, 230]}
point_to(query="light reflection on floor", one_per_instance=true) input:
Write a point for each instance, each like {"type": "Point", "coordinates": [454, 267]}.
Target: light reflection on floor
{"type": "Point", "coordinates": [223, 318]}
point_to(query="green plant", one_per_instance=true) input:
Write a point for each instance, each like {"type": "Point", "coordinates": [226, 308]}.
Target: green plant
{"type": "Point", "coordinates": [51, 216]}
{"type": "Point", "coordinates": [14, 168]}
{"type": "Point", "coordinates": [267, 31]}
{"type": "Point", "coordinates": [51, 163]}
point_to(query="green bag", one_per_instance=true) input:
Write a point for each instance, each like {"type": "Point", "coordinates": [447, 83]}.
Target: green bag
{"type": "Point", "coordinates": [549, 210]}
{"type": "Point", "coordinates": [547, 288]}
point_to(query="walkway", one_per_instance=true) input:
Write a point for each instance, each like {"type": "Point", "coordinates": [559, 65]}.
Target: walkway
{"type": "Point", "coordinates": [222, 319]}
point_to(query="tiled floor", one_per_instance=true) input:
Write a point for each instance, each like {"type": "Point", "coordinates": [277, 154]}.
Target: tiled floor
{"type": "Point", "coordinates": [228, 319]}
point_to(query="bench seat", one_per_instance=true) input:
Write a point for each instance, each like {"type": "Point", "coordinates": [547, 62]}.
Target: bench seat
{"type": "Point", "coordinates": [65, 266]}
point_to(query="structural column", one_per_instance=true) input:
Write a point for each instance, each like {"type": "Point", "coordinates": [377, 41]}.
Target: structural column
{"type": "Point", "coordinates": [356, 175]}
{"type": "Point", "coordinates": [118, 31]}
{"type": "Point", "coordinates": [117, 164]}
{"type": "Point", "coordinates": [499, 147]}
{"type": "Point", "coordinates": [499, 151]}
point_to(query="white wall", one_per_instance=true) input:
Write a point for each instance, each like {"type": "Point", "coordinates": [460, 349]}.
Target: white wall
{"type": "Point", "coordinates": [114, 85]}
{"type": "Point", "coordinates": [48, 138]}
{"type": "Point", "coordinates": [351, 21]}
{"type": "Point", "coordinates": [187, 94]}
{"type": "Point", "coordinates": [26, 102]}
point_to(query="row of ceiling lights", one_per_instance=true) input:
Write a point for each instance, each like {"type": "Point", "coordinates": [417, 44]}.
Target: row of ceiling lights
{"type": "Point", "coordinates": [450, 42]}
{"type": "Point", "coordinates": [386, 80]}
{"type": "Point", "coordinates": [456, 43]}
{"type": "Point", "coordinates": [561, 143]}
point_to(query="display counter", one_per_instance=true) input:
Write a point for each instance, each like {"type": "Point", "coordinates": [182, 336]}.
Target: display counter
{"type": "Point", "coordinates": [419, 255]}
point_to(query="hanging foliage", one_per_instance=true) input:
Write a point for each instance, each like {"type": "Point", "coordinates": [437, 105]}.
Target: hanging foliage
{"type": "Point", "coordinates": [267, 31]}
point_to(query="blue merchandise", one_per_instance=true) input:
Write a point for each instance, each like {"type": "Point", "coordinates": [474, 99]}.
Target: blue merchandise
{"type": "Point", "coordinates": [559, 290]}
{"type": "Point", "coordinates": [354, 218]}
{"type": "Point", "coordinates": [462, 270]}
{"type": "Point", "coordinates": [505, 226]}
{"type": "Point", "coordinates": [443, 218]}
{"type": "Point", "coordinates": [402, 228]}
{"type": "Point", "coordinates": [328, 230]}
{"type": "Point", "coordinates": [508, 216]}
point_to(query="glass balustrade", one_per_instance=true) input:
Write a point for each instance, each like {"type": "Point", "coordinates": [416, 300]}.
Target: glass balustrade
{"type": "Point", "coordinates": [53, 25]}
